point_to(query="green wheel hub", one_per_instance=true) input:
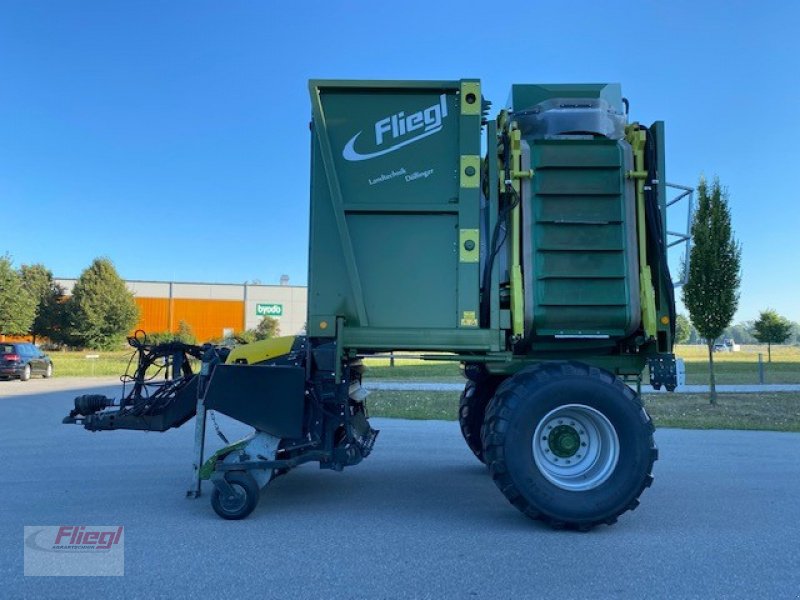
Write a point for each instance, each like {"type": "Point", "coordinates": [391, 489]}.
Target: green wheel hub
{"type": "Point", "coordinates": [564, 441]}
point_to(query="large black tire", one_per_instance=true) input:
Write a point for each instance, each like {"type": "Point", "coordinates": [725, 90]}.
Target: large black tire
{"type": "Point", "coordinates": [247, 496]}
{"type": "Point", "coordinates": [569, 444]}
{"type": "Point", "coordinates": [472, 410]}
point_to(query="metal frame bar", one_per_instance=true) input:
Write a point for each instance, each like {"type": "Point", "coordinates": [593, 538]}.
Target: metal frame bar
{"type": "Point", "coordinates": [676, 238]}
{"type": "Point", "coordinates": [337, 200]}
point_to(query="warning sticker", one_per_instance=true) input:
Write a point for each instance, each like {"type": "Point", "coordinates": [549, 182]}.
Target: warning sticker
{"type": "Point", "coordinates": [468, 319]}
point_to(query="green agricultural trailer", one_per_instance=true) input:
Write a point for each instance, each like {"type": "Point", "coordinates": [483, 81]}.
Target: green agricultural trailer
{"type": "Point", "coordinates": [531, 248]}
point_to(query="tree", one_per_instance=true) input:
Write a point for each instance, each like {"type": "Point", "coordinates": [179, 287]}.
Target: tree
{"type": "Point", "coordinates": [741, 333]}
{"type": "Point", "coordinates": [17, 308]}
{"type": "Point", "coordinates": [101, 309]}
{"type": "Point", "coordinates": [266, 329]}
{"type": "Point", "coordinates": [794, 336]}
{"type": "Point", "coordinates": [47, 295]}
{"type": "Point", "coordinates": [52, 321]}
{"type": "Point", "coordinates": [771, 328]}
{"type": "Point", "coordinates": [185, 333]}
{"type": "Point", "coordinates": [683, 329]}
{"type": "Point", "coordinates": [711, 293]}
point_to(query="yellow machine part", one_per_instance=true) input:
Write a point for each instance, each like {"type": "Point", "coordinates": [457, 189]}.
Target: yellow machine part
{"type": "Point", "coordinates": [260, 351]}
{"type": "Point", "coordinates": [637, 139]}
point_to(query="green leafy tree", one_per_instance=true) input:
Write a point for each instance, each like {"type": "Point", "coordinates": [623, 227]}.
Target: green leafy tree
{"type": "Point", "coordinates": [741, 333]}
{"type": "Point", "coordinates": [48, 298]}
{"type": "Point", "coordinates": [185, 333]}
{"type": "Point", "coordinates": [771, 328]}
{"type": "Point", "coordinates": [52, 321]}
{"type": "Point", "coordinates": [17, 307]}
{"type": "Point", "coordinates": [794, 337]}
{"type": "Point", "coordinates": [711, 293]}
{"type": "Point", "coordinates": [683, 329]}
{"type": "Point", "coordinates": [101, 310]}
{"type": "Point", "coordinates": [266, 329]}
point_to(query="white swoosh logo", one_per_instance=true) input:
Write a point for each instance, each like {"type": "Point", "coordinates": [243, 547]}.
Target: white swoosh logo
{"type": "Point", "coordinates": [349, 152]}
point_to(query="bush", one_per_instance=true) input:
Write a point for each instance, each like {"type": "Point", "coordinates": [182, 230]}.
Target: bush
{"type": "Point", "coordinates": [266, 329]}
{"type": "Point", "coordinates": [245, 337]}
{"type": "Point", "coordinates": [184, 334]}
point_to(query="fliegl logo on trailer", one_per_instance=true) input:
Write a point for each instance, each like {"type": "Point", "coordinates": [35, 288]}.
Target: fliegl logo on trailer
{"type": "Point", "coordinates": [398, 130]}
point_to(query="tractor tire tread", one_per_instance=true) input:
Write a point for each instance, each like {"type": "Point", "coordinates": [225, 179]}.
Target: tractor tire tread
{"type": "Point", "coordinates": [497, 422]}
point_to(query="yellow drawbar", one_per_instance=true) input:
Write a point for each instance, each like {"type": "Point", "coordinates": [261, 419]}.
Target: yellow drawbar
{"type": "Point", "coordinates": [257, 352]}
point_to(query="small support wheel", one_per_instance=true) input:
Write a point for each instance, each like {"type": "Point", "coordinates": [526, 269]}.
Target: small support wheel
{"type": "Point", "coordinates": [243, 499]}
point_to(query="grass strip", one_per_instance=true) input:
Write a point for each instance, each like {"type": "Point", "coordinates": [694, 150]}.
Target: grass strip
{"type": "Point", "coordinates": [768, 412]}
{"type": "Point", "coordinates": [730, 367]}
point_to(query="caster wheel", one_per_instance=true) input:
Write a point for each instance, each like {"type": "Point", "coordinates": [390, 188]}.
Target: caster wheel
{"type": "Point", "coordinates": [242, 502]}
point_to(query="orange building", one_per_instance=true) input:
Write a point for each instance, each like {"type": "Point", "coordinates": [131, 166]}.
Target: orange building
{"type": "Point", "coordinates": [214, 310]}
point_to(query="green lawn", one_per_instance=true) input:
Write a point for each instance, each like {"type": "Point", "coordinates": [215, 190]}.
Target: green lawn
{"type": "Point", "coordinates": [764, 411]}
{"type": "Point", "coordinates": [731, 367]}
{"type": "Point", "coordinates": [75, 364]}
{"type": "Point", "coordinates": [772, 412]}
{"type": "Point", "coordinates": [411, 369]}
{"type": "Point", "coordinates": [741, 367]}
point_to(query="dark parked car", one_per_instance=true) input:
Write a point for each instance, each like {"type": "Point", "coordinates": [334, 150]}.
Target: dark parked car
{"type": "Point", "coordinates": [22, 360]}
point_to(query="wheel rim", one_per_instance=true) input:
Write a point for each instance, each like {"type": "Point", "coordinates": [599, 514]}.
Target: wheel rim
{"type": "Point", "coordinates": [575, 447]}
{"type": "Point", "coordinates": [235, 503]}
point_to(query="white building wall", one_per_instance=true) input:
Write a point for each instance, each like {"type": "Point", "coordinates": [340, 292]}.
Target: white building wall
{"type": "Point", "coordinates": [292, 300]}
{"type": "Point", "coordinates": [149, 289]}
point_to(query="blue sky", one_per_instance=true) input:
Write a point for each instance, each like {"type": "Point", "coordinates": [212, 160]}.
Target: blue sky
{"type": "Point", "coordinates": [173, 137]}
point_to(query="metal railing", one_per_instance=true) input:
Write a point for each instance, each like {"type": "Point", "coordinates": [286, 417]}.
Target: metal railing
{"type": "Point", "coordinates": [676, 238]}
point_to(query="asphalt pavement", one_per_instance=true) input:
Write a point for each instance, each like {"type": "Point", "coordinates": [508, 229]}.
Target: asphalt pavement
{"type": "Point", "coordinates": [420, 518]}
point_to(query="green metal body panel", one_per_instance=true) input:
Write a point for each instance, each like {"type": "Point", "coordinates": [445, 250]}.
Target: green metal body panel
{"type": "Point", "coordinates": [394, 190]}
{"type": "Point", "coordinates": [630, 365]}
{"type": "Point", "coordinates": [398, 235]}
{"type": "Point", "coordinates": [580, 258]}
